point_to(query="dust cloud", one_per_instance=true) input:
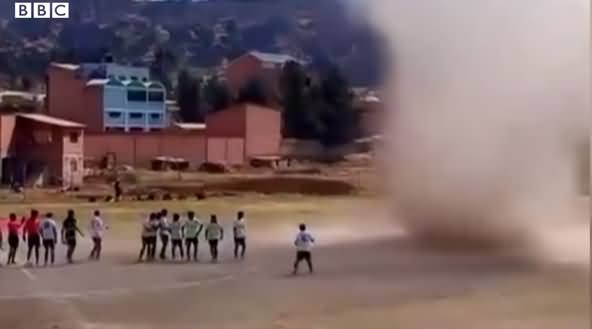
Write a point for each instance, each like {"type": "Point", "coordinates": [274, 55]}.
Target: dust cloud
{"type": "Point", "coordinates": [488, 104]}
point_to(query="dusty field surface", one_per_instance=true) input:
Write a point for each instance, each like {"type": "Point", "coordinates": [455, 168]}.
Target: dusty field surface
{"type": "Point", "coordinates": [368, 275]}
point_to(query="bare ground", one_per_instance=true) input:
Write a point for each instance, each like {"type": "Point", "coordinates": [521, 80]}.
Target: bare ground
{"type": "Point", "coordinates": [377, 279]}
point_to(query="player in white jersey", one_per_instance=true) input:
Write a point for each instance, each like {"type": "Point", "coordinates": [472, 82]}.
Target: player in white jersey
{"type": "Point", "coordinates": [304, 243]}
{"type": "Point", "coordinates": [176, 232]}
{"type": "Point", "coordinates": [191, 230]}
{"type": "Point", "coordinates": [148, 236]}
{"type": "Point", "coordinates": [49, 236]}
{"type": "Point", "coordinates": [164, 233]}
{"type": "Point", "coordinates": [214, 234]}
{"type": "Point", "coordinates": [239, 229]}
{"type": "Point", "coordinates": [97, 229]}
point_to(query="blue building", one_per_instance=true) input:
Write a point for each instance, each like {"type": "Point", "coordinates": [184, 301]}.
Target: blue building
{"type": "Point", "coordinates": [131, 100]}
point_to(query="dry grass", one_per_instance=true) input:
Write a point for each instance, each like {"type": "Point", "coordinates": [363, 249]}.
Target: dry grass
{"type": "Point", "coordinates": [125, 217]}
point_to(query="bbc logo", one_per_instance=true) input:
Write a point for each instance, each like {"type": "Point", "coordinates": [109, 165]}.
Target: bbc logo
{"type": "Point", "coordinates": [41, 10]}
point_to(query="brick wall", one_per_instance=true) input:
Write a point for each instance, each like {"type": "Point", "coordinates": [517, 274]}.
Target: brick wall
{"type": "Point", "coordinates": [264, 134]}
{"type": "Point", "coordinates": [139, 149]}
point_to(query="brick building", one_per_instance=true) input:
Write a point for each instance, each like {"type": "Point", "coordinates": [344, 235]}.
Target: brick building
{"type": "Point", "coordinates": [37, 149]}
{"type": "Point", "coordinates": [231, 136]}
{"type": "Point", "coordinates": [106, 97]}
{"type": "Point", "coordinates": [264, 67]}
{"type": "Point", "coordinates": [124, 115]}
{"type": "Point", "coordinates": [242, 131]}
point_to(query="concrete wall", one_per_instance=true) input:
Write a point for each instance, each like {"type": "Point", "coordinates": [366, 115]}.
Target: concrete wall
{"type": "Point", "coordinates": [138, 149]}
{"type": "Point", "coordinates": [264, 134]}
{"type": "Point", "coordinates": [69, 98]}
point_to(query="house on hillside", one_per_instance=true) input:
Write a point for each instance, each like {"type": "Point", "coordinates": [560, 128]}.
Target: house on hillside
{"type": "Point", "coordinates": [20, 101]}
{"type": "Point", "coordinates": [256, 65]}
{"type": "Point", "coordinates": [107, 97]}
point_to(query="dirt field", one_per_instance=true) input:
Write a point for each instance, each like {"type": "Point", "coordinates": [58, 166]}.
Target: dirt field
{"type": "Point", "coordinates": [368, 275]}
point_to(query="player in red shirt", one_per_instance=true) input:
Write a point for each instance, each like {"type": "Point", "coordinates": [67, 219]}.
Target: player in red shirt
{"type": "Point", "coordinates": [31, 235]}
{"type": "Point", "coordinates": [14, 227]}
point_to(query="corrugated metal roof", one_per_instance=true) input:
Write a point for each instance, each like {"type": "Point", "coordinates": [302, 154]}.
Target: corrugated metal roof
{"type": "Point", "coordinates": [274, 58]}
{"type": "Point", "coordinates": [42, 118]}
{"type": "Point", "coordinates": [65, 66]}
{"type": "Point", "coordinates": [97, 82]}
{"type": "Point", "coordinates": [149, 84]}
{"type": "Point", "coordinates": [190, 126]}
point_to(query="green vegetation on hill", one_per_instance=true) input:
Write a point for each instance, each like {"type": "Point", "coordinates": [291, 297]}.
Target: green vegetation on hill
{"type": "Point", "coordinates": [174, 34]}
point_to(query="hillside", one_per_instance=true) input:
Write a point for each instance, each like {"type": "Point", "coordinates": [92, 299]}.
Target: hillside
{"type": "Point", "coordinates": [171, 34]}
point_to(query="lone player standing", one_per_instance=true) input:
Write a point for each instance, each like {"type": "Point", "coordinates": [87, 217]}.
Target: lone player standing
{"type": "Point", "coordinates": [304, 242]}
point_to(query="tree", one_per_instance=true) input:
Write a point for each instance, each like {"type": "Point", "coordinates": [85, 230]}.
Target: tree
{"type": "Point", "coordinates": [188, 97]}
{"type": "Point", "coordinates": [253, 92]}
{"type": "Point", "coordinates": [26, 83]}
{"type": "Point", "coordinates": [333, 103]}
{"type": "Point", "coordinates": [299, 119]}
{"type": "Point", "coordinates": [216, 95]}
{"type": "Point", "coordinates": [164, 62]}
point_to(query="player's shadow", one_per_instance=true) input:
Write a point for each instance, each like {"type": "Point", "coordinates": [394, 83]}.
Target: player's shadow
{"type": "Point", "coordinates": [127, 261]}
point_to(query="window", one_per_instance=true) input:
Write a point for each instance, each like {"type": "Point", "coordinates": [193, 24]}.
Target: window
{"type": "Point", "coordinates": [74, 137]}
{"type": "Point", "coordinates": [156, 96]}
{"type": "Point", "coordinates": [136, 115]}
{"type": "Point", "coordinates": [155, 116]}
{"type": "Point", "coordinates": [114, 115]}
{"type": "Point", "coordinates": [136, 95]}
